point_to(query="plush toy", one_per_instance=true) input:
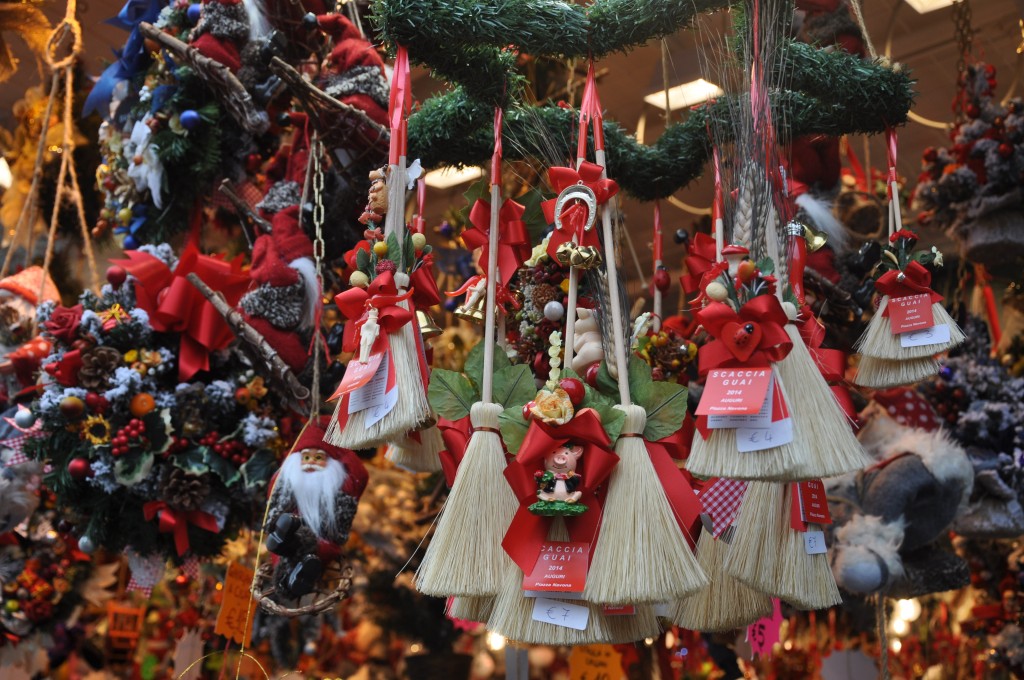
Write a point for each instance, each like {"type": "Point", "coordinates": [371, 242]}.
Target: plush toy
{"type": "Point", "coordinates": [20, 353]}
{"type": "Point", "coordinates": [889, 517]}
{"type": "Point", "coordinates": [313, 503]}
{"type": "Point", "coordinates": [354, 72]}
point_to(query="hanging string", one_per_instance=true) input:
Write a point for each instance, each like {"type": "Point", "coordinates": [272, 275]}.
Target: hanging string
{"type": "Point", "coordinates": [859, 15]}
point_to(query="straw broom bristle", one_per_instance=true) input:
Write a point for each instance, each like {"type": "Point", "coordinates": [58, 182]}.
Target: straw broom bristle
{"type": "Point", "coordinates": [761, 527]}
{"type": "Point", "coordinates": [726, 603]}
{"type": "Point", "coordinates": [471, 608]}
{"type": "Point", "coordinates": [879, 341]}
{"type": "Point", "coordinates": [805, 581]}
{"type": "Point", "coordinates": [418, 456]}
{"type": "Point", "coordinates": [512, 615]}
{"type": "Point", "coordinates": [641, 555]}
{"type": "Point", "coordinates": [819, 425]}
{"type": "Point", "coordinates": [473, 521]}
{"type": "Point", "coordinates": [883, 373]}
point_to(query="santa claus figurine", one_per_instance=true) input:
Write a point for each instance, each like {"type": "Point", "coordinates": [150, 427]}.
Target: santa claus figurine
{"type": "Point", "coordinates": [312, 505]}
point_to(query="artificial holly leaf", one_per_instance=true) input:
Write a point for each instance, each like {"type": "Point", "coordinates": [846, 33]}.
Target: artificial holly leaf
{"type": "Point", "coordinates": [533, 216]}
{"type": "Point", "coordinates": [131, 469]}
{"type": "Point", "coordinates": [258, 470]}
{"type": "Point", "coordinates": [451, 394]}
{"type": "Point", "coordinates": [766, 266]}
{"type": "Point", "coordinates": [513, 428]}
{"type": "Point", "coordinates": [202, 459]}
{"type": "Point", "coordinates": [514, 386]}
{"type": "Point", "coordinates": [480, 189]}
{"type": "Point", "coordinates": [474, 367]}
{"type": "Point", "coordinates": [666, 408]}
{"type": "Point", "coordinates": [394, 251]}
{"type": "Point", "coordinates": [363, 261]}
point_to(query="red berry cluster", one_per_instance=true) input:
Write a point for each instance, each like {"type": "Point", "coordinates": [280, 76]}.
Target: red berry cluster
{"type": "Point", "coordinates": [232, 450]}
{"type": "Point", "coordinates": [177, 444]}
{"type": "Point", "coordinates": [128, 436]}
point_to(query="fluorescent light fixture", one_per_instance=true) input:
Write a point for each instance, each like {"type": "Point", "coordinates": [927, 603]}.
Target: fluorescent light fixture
{"type": "Point", "coordinates": [687, 94]}
{"type": "Point", "coordinates": [925, 6]}
{"type": "Point", "coordinates": [448, 177]}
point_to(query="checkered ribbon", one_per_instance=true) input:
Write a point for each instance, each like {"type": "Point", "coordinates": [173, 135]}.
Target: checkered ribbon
{"type": "Point", "coordinates": [190, 568]}
{"type": "Point", "coordinates": [721, 499]}
{"type": "Point", "coordinates": [17, 443]}
{"type": "Point", "coordinates": [135, 585]}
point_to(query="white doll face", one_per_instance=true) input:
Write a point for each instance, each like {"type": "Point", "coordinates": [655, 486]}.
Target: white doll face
{"type": "Point", "coordinates": [564, 458]}
{"type": "Point", "coordinates": [313, 460]}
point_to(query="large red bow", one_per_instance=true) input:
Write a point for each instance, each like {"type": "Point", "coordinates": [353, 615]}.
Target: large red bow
{"type": "Point", "coordinates": [764, 313]}
{"type": "Point", "coordinates": [456, 434]}
{"type": "Point", "coordinates": [423, 284]}
{"type": "Point", "coordinates": [574, 215]}
{"type": "Point", "coordinates": [513, 239]}
{"type": "Point", "coordinates": [914, 280]}
{"type": "Point", "coordinates": [382, 295]}
{"type": "Point", "coordinates": [527, 532]}
{"type": "Point", "coordinates": [177, 522]}
{"type": "Point", "coordinates": [700, 256]}
{"type": "Point", "coordinates": [678, 491]}
{"type": "Point", "coordinates": [174, 305]}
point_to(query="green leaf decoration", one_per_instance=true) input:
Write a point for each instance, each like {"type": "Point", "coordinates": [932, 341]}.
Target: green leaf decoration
{"type": "Point", "coordinates": [474, 367]}
{"type": "Point", "coordinates": [612, 418]}
{"type": "Point", "coordinates": [395, 251]}
{"type": "Point", "coordinates": [132, 469]}
{"type": "Point", "coordinates": [766, 266]}
{"type": "Point", "coordinates": [513, 428]}
{"type": "Point", "coordinates": [639, 379]}
{"type": "Point", "coordinates": [514, 386]}
{"type": "Point", "coordinates": [200, 460]}
{"type": "Point", "coordinates": [451, 394]}
{"type": "Point", "coordinates": [666, 408]}
{"type": "Point", "coordinates": [363, 261]}
{"type": "Point", "coordinates": [606, 384]}
{"type": "Point", "coordinates": [258, 470]}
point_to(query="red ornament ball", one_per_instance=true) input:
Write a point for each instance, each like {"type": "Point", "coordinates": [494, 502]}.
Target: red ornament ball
{"type": "Point", "coordinates": [116, 276]}
{"type": "Point", "coordinates": [591, 375]}
{"type": "Point", "coordinates": [662, 281]}
{"type": "Point", "coordinates": [1005, 150]}
{"type": "Point", "coordinates": [973, 111]}
{"type": "Point", "coordinates": [79, 468]}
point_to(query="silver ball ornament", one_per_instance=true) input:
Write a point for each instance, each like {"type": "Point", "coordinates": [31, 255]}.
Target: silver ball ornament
{"type": "Point", "coordinates": [554, 311]}
{"type": "Point", "coordinates": [24, 418]}
{"type": "Point", "coordinates": [86, 545]}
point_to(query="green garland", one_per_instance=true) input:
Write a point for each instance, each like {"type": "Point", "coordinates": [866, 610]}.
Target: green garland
{"type": "Point", "coordinates": [456, 129]}
{"type": "Point", "coordinates": [465, 41]}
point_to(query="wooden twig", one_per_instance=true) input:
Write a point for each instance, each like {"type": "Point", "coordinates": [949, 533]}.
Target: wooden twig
{"type": "Point", "coordinates": [337, 122]}
{"type": "Point", "coordinates": [249, 217]}
{"type": "Point", "coordinates": [226, 87]}
{"type": "Point", "coordinates": [257, 348]}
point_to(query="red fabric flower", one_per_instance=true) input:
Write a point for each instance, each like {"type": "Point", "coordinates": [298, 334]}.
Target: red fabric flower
{"type": "Point", "coordinates": [63, 323]}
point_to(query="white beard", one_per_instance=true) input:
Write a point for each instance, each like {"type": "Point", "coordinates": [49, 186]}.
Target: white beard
{"type": "Point", "coordinates": [315, 493]}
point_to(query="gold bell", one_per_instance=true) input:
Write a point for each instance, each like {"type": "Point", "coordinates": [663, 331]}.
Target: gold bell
{"type": "Point", "coordinates": [816, 240]}
{"type": "Point", "coordinates": [586, 257]}
{"type": "Point", "coordinates": [564, 254]}
{"type": "Point", "coordinates": [475, 313]}
{"type": "Point", "coordinates": [428, 328]}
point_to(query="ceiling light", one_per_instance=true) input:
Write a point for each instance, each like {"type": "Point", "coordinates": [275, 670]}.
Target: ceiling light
{"type": "Point", "coordinates": [448, 177]}
{"type": "Point", "coordinates": [687, 94]}
{"type": "Point", "coordinates": [924, 6]}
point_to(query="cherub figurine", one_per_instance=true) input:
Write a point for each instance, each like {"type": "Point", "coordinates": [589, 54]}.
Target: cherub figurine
{"type": "Point", "coordinates": [558, 485]}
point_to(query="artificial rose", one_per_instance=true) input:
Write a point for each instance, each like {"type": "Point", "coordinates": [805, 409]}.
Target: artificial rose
{"type": "Point", "coordinates": [552, 408]}
{"type": "Point", "coordinates": [63, 323]}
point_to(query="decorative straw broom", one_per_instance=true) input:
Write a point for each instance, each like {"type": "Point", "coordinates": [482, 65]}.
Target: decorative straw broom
{"type": "Point", "coordinates": [886, 360]}
{"type": "Point", "coordinates": [411, 409]}
{"type": "Point", "coordinates": [479, 506]}
{"type": "Point", "coordinates": [727, 603]}
{"type": "Point", "coordinates": [641, 555]}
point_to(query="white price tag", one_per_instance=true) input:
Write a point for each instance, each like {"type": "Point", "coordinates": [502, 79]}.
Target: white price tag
{"type": "Point", "coordinates": [371, 395]}
{"type": "Point", "coordinates": [760, 438]}
{"type": "Point", "coordinates": [376, 413]}
{"type": "Point", "coordinates": [560, 613]}
{"type": "Point", "coordinates": [763, 418]}
{"type": "Point", "coordinates": [814, 542]}
{"type": "Point", "coordinates": [936, 335]}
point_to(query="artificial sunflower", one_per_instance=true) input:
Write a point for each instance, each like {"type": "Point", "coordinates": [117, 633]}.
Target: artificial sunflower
{"type": "Point", "coordinates": [97, 430]}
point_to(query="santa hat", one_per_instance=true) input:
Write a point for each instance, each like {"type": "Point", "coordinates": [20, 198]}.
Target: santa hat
{"type": "Point", "coordinates": [358, 78]}
{"type": "Point", "coordinates": [343, 31]}
{"type": "Point", "coordinates": [274, 252]}
{"type": "Point", "coordinates": [312, 437]}
{"type": "Point", "coordinates": [223, 26]}
{"type": "Point", "coordinates": [26, 284]}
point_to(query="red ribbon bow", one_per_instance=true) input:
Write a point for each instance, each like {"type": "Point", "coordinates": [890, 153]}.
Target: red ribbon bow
{"type": "Point", "coordinates": [513, 239]}
{"type": "Point", "coordinates": [174, 305]}
{"type": "Point", "coordinates": [527, 532]}
{"type": "Point", "coordinates": [700, 258]}
{"type": "Point", "coordinates": [177, 522]}
{"type": "Point", "coordinates": [574, 215]}
{"type": "Point", "coordinates": [719, 319]}
{"type": "Point", "coordinates": [684, 503]}
{"type": "Point", "coordinates": [423, 285]}
{"type": "Point", "coordinates": [382, 295]}
{"type": "Point", "coordinates": [915, 280]}
{"type": "Point", "coordinates": [456, 434]}
{"type": "Point", "coordinates": [831, 362]}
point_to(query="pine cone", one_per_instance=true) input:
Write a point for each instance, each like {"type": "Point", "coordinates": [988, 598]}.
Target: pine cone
{"type": "Point", "coordinates": [183, 490]}
{"type": "Point", "coordinates": [544, 293]}
{"type": "Point", "coordinates": [98, 365]}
